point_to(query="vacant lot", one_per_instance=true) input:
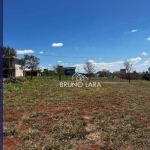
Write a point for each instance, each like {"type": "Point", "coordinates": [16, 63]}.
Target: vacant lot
{"type": "Point", "coordinates": [41, 115]}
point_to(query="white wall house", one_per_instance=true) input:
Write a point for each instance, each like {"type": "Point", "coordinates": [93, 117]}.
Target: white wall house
{"type": "Point", "coordinates": [17, 65]}
{"type": "Point", "coordinates": [17, 71]}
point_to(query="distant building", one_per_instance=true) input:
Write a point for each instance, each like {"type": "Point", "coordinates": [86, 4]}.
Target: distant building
{"type": "Point", "coordinates": [116, 73]}
{"type": "Point", "coordinates": [14, 69]}
{"type": "Point", "coordinates": [123, 74]}
{"type": "Point", "coordinates": [35, 72]}
{"type": "Point", "coordinates": [122, 71]}
{"type": "Point", "coordinates": [69, 71]}
{"type": "Point", "coordinates": [17, 65]}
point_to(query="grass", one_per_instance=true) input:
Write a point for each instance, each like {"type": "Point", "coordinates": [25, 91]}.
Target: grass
{"type": "Point", "coordinates": [41, 115]}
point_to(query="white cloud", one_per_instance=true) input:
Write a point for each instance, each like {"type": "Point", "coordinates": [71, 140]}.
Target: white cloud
{"type": "Point", "coordinates": [135, 60]}
{"type": "Point", "coordinates": [22, 52]}
{"type": "Point", "coordinates": [134, 31]}
{"type": "Point", "coordinates": [116, 65]}
{"type": "Point", "coordinates": [148, 39]}
{"type": "Point", "coordinates": [113, 66]}
{"type": "Point", "coordinates": [41, 52]}
{"type": "Point", "coordinates": [144, 53]}
{"type": "Point", "coordinates": [65, 64]}
{"type": "Point", "coordinates": [57, 44]}
{"type": "Point", "coordinates": [62, 64]}
{"type": "Point", "coordinates": [42, 68]}
{"type": "Point", "coordinates": [59, 62]}
{"type": "Point", "coordinates": [145, 63]}
{"type": "Point", "coordinates": [91, 61]}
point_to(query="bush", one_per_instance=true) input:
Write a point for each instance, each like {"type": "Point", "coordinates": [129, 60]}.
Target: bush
{"type": "Point", "coordinates": [147, 77]}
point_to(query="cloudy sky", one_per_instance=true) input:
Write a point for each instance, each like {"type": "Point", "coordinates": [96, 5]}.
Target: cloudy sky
{"type": "Point", "coordinates": [104, 32]}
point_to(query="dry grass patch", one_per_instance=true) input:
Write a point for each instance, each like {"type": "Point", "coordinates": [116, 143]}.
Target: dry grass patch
{"type": "Point", "coordinates": [42, 116]}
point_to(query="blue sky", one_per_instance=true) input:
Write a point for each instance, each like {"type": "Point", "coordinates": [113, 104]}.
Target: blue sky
{"type": "Point", "coordinates": [104, 32]}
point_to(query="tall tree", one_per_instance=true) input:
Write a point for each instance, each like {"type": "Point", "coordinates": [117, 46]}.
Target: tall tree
{"type": "Point", "coordinates": [8, 56]}
{"type": "Point", "coordinates": [59, 70]}
{"type": "Point", "coordinates": [31, 62]}
{"type": "Point", "coordinates": [89, 68]}
{"type": "Point", "coordinates": [129, 68]}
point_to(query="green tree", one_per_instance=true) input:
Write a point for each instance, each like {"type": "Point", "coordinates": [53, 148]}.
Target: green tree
{"type": "Point", "coordinates": [8, 57]}
{"type": "Point", "coordinates": [47, 72]}
{"type": "Point", "coordinates": [31, 62]}
{"type": "Point", "coordinates": [59, 71]}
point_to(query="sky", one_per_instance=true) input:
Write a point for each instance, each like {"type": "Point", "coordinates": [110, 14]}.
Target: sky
{"type": "Point", "coordinates": [105, 32]}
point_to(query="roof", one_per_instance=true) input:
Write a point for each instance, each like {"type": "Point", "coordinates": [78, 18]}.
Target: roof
{"type": "Point", "coordinates": [69, 67]}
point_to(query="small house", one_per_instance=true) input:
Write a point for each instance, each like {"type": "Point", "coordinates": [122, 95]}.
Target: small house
{"type": "Point", "coordinates": [14, 68]}
{"type": "Point", "coordinates": [69, 71]}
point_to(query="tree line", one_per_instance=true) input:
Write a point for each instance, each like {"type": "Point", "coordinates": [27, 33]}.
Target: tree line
{"type": "Point", "coordinates": [31, 62]}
